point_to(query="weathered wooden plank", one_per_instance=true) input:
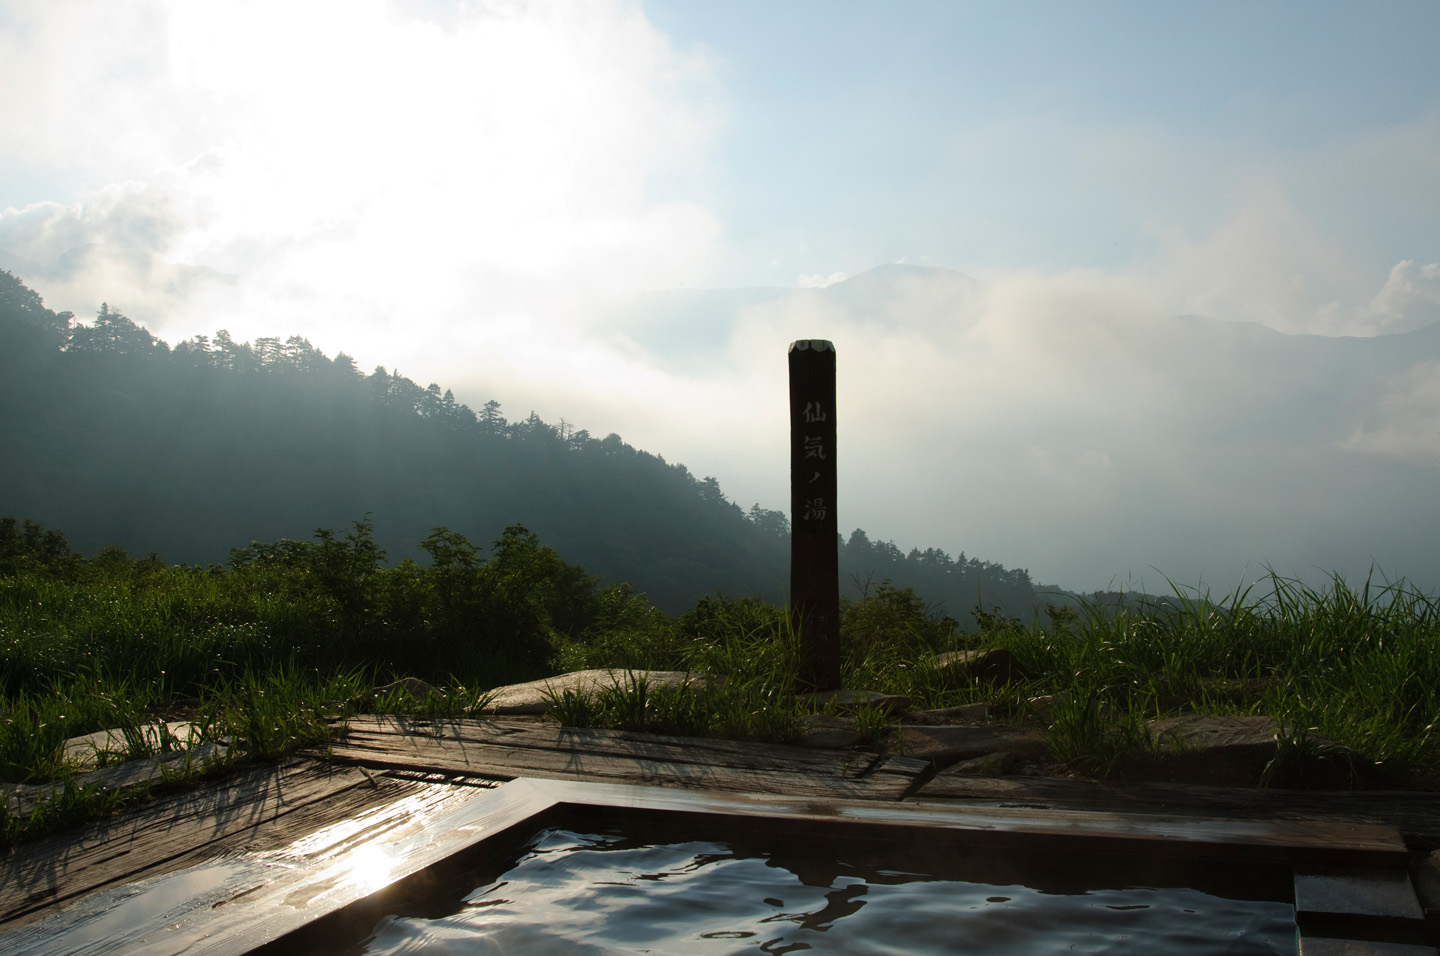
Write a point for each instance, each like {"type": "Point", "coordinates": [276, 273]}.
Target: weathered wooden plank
{"type": "Point", "coordinates": [1281, 840]}
{"type": "Point", "coordinates": [1414, 813]}
{"type": "Point", "coordinates": [907, 771]}
{"type": "Point", "coordinates": [1310, 840]}
{"type": "Point", "coordinates": [262, 809]}
{"type": "Point", "coordinates": [558, 750]}
{"type": "Point", "coordinates": [486, 754]}
{"type": "Point", "coordinates": [550, 736]}
{"type": "Point", "coordinates": [1167, 836]}
{"type": "Point", "coordinates": [910, 767]}
{"type": "Point", "coordinates": [231, 904]}
{"type": "Point", "coordinates": [510, 763]}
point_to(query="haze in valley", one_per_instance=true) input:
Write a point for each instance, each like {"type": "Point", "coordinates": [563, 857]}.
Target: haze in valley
{"type": "Point", "coordinates": [1119, 291]}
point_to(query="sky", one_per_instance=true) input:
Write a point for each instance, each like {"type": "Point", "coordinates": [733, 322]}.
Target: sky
{"type": "Point", "coordinates": [527, 201]}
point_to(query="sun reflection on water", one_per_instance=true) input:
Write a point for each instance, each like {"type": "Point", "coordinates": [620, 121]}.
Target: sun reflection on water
{"type": "Point", "coordinates": [369, 867]}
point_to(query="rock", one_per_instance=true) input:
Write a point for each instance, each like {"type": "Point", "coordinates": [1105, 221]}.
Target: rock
{"type": "Point", "coordinates": [535, 696]}
{"type": "Point", "coordinates": [1235, 751]}
{"type": "Point", "coordinates": [943, 746]}
{"type": "Point", "coordinates": [1425, 875]}
{"type": "Point", "coordinates": [849, 701]}
{"type": "Point", "coordinates": [1043, 708]}
{"type": "Point", "coordinates": [416, 687]}
{"type": "Point", "coordinates": [830, 731]}
{"type": "Point", "coordinates": [996, 665]}
{"type": "Point", "coordinates": [1194, 733]}
{"type": "Point", "coordinates": [84, 752]}
{"type": "Point", "coordinates": [964, 714]}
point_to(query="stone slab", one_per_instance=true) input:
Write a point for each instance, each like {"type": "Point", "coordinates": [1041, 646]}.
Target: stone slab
{"type": "Point", "coordinates": [1369, 892]}
{"type": "Point", "coordinates": [1204, 733]}
{"type": "Point", "coordinates": [1219, 750]}
{"type": "Point", "coordinates": [534, 697]}
{"type": "Point", "coordinates": [83, 751]}
{"type": "Point", "coordinates": [1425, 875]}
{"type": "Point", "coordinates": [990, 666]}
{"type": "Point", "coordinates": [1321, 946]}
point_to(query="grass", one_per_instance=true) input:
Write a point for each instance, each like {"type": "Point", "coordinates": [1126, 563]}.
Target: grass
{"type": "Point", "coordinates": [1344, 671]}
{"type": "Point", "coordinates": [750, 648]}
{"type": "Point", "coordinates": [1357, 667]}
{"type": "Point", "coordinates": [70, 806]}
{"type": "Point", "coordinates": [455, 701]}
{"type": "Point", "coordinates": [267, 653]}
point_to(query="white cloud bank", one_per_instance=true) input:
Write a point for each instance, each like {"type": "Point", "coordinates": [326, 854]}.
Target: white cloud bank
{"type": "Point", "coordinates": [345, 160]}
{"type": "Point", "coordinates": [456, 198]}
{"type": "Point", "coordinates": [1072, 424]}
{"type": "Point", "coordinates": [820, 281]}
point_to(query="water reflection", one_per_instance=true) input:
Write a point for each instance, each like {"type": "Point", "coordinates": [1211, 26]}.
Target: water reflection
{"type": "Point", "coordinates": [369, 867]}
{"type": "Point", "coordinates": [574, 893]}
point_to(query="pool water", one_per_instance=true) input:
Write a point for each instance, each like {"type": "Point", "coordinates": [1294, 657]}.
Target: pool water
{"type": "Point", "coordinates": [580, 893]}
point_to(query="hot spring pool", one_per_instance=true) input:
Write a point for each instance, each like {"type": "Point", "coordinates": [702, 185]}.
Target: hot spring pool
{"type": "Point", "coordinates": [635, 889]}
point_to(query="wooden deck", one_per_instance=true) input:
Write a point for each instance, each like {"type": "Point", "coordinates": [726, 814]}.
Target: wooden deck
{"type": "Point", "coordinates": [505, 749]}
{"type": "Point", "coordinates": [393, 776]}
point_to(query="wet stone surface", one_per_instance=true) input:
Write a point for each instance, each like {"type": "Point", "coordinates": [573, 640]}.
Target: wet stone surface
{"type": "Point", "coordinates": [1378, 892]}
{"type": "Point", "coordinates": [1313, 946]}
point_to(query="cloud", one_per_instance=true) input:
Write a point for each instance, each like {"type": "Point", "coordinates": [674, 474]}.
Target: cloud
{"type": "Point", "coordinates": [1266, 264]}
{"type": "Point", "coordinates": [820, 281]}
{"type": "Point", "coordinates": [465, 197]}
{"type": "Point", "coordinates": [1070, 423]}
{"type": "Point", "coordinates": [1410, 299]}
{"type": "Point", "coordinates": [1269, 263]}
{"type": "Point", "coordinates": [350, 160]}
{"type": "Point", "coordinates": [1405, 422]}
{"type": "Point", "coordinates": [115, 246]}
{"type": "Point", "coordinates": [82, 88]}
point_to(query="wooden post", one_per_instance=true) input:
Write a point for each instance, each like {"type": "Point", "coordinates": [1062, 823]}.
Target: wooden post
{"type": "Point", "coordinates": [814, 528]}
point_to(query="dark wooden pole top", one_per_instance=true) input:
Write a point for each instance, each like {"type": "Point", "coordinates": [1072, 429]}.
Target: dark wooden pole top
{"type": "Point", "coordinates": [818, 345]}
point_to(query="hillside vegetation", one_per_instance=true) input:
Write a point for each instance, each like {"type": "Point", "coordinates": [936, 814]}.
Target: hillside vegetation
{"type": "Point", "coordinates": [272, 651]}
{"type": "Point", "coordinates": [124, 441]}
{"type": "Point", "coordinates": [330, 526]}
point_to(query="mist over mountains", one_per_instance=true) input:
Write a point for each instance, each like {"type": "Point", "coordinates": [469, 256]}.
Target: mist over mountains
{"type": "Point", "coordinates": [116, 439]}
{"type": "Point", "coordinates": [1065, 423]}
{"type": "Point", "coordinates": [1048, 423]}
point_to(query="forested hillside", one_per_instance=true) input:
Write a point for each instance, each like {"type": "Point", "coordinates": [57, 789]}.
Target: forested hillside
{"type": "Point", "coordinates": [118, 439]}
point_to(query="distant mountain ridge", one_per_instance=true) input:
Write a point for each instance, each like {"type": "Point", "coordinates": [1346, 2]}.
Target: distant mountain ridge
{"type": "Point", "coordinates": [1060, 417]}
{"type": "Point", "coordinates": [115, 438]}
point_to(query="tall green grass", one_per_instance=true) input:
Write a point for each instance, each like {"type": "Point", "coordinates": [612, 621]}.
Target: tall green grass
{"type": "Point", "coordinates": [1359, 667]}
{"type": "Point", "coordinates": [749, 647]}
{"type": "Point", "coordinates": [269, 650]}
